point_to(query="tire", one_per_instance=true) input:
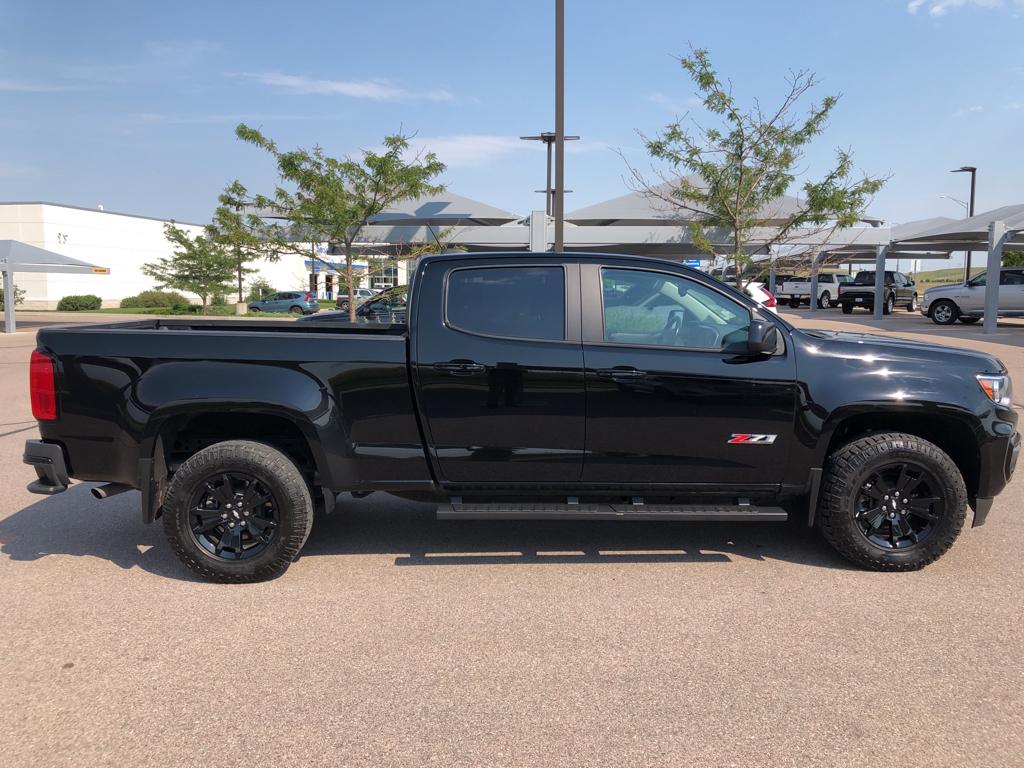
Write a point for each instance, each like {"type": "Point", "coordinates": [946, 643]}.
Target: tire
{"type": "Point", "coordinates": [969, 320]}
{"type": "Point", "coordinates": [861, 471]}
{"type": "Point", "coordinates": [294, 310]}
{"type": "Point", "coordinates": [847, 309]}
{"type": "Point", "coordinates": [890, 305]}
{"type": "Point", "coordinates": [287, 514]}
{"type": "Point", "coordinates": [944, 312]}
{"type": "Point", "coordinates": [912, 306]}
{"type": "Point", "coordinates": [825, 301]}
{"type": "Point", "coordinates": [343, 305]}
{"type": "Point", "coordinates": [794, 303]}
{"type": "Point", "coordinates": [254, 309]}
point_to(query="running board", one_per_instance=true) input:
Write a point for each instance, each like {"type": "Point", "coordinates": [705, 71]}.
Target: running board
{"type": "Point", "coordinates": [695, 512]}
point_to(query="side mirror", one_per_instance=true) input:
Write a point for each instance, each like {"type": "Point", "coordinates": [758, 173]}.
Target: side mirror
{"type": "Point", "coordinates": [762, 338]}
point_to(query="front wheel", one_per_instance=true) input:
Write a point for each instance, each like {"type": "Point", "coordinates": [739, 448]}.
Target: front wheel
{"type": "Point", "coordinates": [825, 301]}
{"type": "Point", "coordinates": [912, 305]}
{"type": "Point", "coordinates": [890, 305]}
{"type": "Point", "coordinates": [238, 511]}
{"type": "Point", "coordinates": [944, 312]}
{"type": "Point", "coordinates": [891, 502]}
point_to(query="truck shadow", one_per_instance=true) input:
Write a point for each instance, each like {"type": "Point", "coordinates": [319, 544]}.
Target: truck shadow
{"type": "Point", "coordinates": [76, 524]}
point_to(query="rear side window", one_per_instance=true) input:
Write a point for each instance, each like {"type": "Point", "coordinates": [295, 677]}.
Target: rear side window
{"type": "Point", "coordinates": [518, 302]}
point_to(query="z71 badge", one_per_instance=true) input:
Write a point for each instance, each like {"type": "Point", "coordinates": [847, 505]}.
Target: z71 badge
{"type": "Point", "coordinates": [752, 439]}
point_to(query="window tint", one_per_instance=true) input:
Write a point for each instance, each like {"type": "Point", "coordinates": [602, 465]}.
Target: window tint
{"type": "Point", "coordinates": [864, 278]}
{"type": "Point", "coordinates": [520, 302]}
{"type": "Point", "coordinates": [653, 308]}
{"type": "Point", "coordinates": [1011, 277]}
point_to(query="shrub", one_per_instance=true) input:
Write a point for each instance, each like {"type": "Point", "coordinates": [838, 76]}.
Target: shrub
{"type": "Point", "coordinates": [218, 300]}
{"type": "Point", "coordinates": [259, 289]}
{"type": "Point", "coordinates": [19, 296]}
{"type": "Point", "coordinates": [79, 303]}
{"type": "Point", "coordinates": [156, 300]}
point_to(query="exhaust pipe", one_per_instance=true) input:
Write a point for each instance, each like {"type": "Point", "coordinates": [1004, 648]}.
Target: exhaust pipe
{"type": "Point", "coordinates": [107, 490]}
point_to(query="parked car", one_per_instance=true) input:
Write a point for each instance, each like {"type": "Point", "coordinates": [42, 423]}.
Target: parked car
{"type": "Point", "coordinates": [966, 302]}
{"type": "Point", "coordinates": [899, 289]}
{"type": "Point", "coordinates": [386, 307]}
{"type": "Point", "coordinates": [526, 386]}
{"type": "Point", "coordinates": [295, 302]}
{"type": "Point", "coordinates": [759, 293]}
{"type": "Point", "coordinates": [360, 295]}
{"type": "Point", "coordinates": [798, 289]}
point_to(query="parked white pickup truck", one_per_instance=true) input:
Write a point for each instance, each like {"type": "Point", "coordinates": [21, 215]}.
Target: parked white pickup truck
{"type": "Point", "coordinates": [798, 290]}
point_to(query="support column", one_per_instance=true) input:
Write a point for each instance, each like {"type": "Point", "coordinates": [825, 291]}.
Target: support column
{"type": "Point", "coordinates": [771, 278]}
{"type": "Point", "coordinates": [8, 302]}
{"type": "Point", "coordinates": [996, 239]}
{"type": "Point", "coordinates": [880, 254]}
{"type": "Point", "coordinates": [812, 303]}
{"type": "Point", "coordinates": [539, 231]}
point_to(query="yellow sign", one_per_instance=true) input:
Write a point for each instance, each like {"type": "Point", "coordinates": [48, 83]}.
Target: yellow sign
{"type": "Point", "coordinates": [100, 271]}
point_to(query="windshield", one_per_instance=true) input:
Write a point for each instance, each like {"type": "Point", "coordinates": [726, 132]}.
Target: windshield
{"type": "Point", "coordinates": [978, 280]}
{"type": "Point", "coordinates": [864, 278]}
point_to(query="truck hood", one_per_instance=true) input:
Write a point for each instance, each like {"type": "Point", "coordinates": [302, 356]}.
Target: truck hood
{"type": "Point", "coordinates": [890, 349]}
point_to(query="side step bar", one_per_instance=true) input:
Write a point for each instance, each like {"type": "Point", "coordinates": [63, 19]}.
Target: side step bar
{"type": "Point", "coordinates": [695, 512]}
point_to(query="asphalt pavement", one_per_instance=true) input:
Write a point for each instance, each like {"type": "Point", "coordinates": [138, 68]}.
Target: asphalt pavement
{"type": "Point", "coordinates": [397, 639]}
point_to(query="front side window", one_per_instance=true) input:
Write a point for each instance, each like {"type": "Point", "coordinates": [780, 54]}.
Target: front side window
{"type": "Point", "coordinates": [657, 309]}
{"type": "Point", "coordinates": [517, 302]}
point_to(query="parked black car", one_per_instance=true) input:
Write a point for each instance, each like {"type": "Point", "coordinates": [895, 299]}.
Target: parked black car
{"type": "Point", "coordinates": [527, 386]}
{"type": "Point", "coordinates": [899, 291]}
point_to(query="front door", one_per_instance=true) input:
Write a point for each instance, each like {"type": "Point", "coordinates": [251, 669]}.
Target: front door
{"type": "Point", "coordinates": [665, 402]}
{"type": "Point", "coordinates": [499, 371]}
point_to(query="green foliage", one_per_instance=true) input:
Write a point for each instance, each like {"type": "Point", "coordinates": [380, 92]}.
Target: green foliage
{"type": "Point", "coordinates": [259, 289]}
{"type": "Point", "coordinates": [1013, 258]}
{"type": "Point", "coordinates": [242, 233]}
{"type": "Point", "coordinates": [736, 168]}
{"type": "Point", "coordinates": [156, 299]}
{"type": "Point", "coordinates": [330, 200]}
{"type": "Point", "coordinates": [79, 303]}
{"type": "Point", "coordinates": [218, 300]}
{"type": "Point", "coordinates": [198, 265]}
{"type": "Point", "coordinates": [19, 296]}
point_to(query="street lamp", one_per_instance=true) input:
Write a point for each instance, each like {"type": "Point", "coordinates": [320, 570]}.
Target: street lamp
{"type": "Point", "coordinates": [970, 212]}
{"type": "Point", "coordinates": [548, 137]}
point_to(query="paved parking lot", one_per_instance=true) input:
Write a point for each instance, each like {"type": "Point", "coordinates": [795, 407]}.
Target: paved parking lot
{"type": "Point", "coordinates": [400, 640]}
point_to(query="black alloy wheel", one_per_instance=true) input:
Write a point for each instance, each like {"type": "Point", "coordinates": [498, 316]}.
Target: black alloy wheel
{"type": "Point", "coordinates": [899, 505]}
{"type": "Point", "coordinates": [233, 516]}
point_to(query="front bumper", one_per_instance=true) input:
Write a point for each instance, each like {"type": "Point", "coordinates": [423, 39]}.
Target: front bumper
{"type": "Point", "coordinates": [51, 469]}
{"type": "Point", "coordinates": [998, 462]}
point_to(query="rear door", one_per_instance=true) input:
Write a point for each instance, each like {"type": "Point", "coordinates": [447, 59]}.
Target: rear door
{"type": "Point", "coordinates": [498, 367]}
{"type": "Point", "coordinates": [665, 403]}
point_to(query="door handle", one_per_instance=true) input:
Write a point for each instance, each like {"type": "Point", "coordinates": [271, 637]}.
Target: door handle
{"type": "Point", "coordinates": [459, 367]}
{"type": "Point", "coordinates": [621, 373]}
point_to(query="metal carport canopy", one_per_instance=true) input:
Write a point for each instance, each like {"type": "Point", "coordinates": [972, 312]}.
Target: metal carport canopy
{"type": "Point", "coordinates": [16, 256]}
{"type": "Point", "coordinates": [992, 231]}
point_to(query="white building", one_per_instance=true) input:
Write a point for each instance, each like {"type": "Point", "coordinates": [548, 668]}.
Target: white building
{"type": "Point", "coordinates": [123, 243]}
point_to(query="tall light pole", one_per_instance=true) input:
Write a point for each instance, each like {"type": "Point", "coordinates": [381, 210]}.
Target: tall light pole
{"type": "Point", "coordinates": [548, 137]}
{"type": "Point", "coordinates": [970, 211]}
{"type": "Point", "coordinates": [559, 202]}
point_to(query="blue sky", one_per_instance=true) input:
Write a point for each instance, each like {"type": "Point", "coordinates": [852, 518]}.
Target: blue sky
{"type": "Point", "coordinates": [132, 105]}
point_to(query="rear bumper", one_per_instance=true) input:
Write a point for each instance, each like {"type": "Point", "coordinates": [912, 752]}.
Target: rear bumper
{"type": "Point", "coordinates": [51, 469]}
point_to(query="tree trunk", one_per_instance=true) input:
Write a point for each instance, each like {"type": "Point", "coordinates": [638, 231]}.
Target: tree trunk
{"type": "Point", "coordinates": [351, 283]}
{"type": "Point", "coordinates": [238, 260]}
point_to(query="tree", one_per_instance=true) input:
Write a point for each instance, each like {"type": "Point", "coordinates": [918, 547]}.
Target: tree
{"type": "Point", "coordinates": [1013, 259]}
{"type": "Point", "coordinates": [242, 233]}
{"type": "Point", "coordinates": [334, 199]}
{"type": "Point", "coordinates": [198, 265]}
{"type": "Point", "coordinates": [731, 172]}
{"type": "Point", "coordinates": [19, 296]}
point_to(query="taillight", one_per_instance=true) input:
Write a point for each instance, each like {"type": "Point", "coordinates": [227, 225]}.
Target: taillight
{"type": "Point", "coordinates": [770, 301]}
{"type": "Point", "coordinates": [42, 386]}
{"type": "Point", "coordinates": [309, 296]}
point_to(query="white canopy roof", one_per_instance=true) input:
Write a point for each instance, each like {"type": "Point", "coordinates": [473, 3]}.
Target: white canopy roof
{"type": "Point", "coordinates": [970, 233]}
{"type": "Point", "coordinates": [16, 256]}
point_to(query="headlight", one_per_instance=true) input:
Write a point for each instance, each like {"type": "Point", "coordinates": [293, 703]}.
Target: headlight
{"type": "Point", "coordinates": [999, 389]}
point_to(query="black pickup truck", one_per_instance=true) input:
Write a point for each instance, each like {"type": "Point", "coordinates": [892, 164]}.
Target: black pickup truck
{"type": "Point", "coordinates": [899, 290]}
{"type": "Point", "coordinates": [562, 386]}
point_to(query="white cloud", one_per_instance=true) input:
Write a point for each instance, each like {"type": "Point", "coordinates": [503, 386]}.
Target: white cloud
{"type": "Point", "coordinates": [375, 90]}
{"type": "Point", "coordinates": [963, 112]}
{"type": "Point", "coordinates": [674, 106]}
{"type": "Point", "coordinates": [476, 150]}
{"type": "Point", "coordinates": [942, 7]}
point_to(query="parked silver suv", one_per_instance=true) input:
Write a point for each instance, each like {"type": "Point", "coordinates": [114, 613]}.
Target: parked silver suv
{"type": "Point", "coordinates": [966, 301]}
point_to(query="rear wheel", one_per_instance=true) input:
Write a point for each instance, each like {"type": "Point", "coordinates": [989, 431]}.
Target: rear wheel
{"type": "Point", "coordinates": [891, 502]}
{"type": "Point", "coordinates": [969, 320]}
{"type": "Point", "coordinates": [944, 312]}
{"type": "Point", "coordinates": [295, 310]}
{"type": "Point", "coordinates": [343, 305]}
{"type": "Point", "coordinates": [912, 305]}
{"type": "Point", "coordinates": [847, 309]}
{"type": "Point", "coordinates": [890, 305]}
{"type": "Point", "coordinates": [825, 301]}
{"type": "Point", "coordinates": [794, 303]}
{"type": "Point", "coordinates": [238, 511]}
